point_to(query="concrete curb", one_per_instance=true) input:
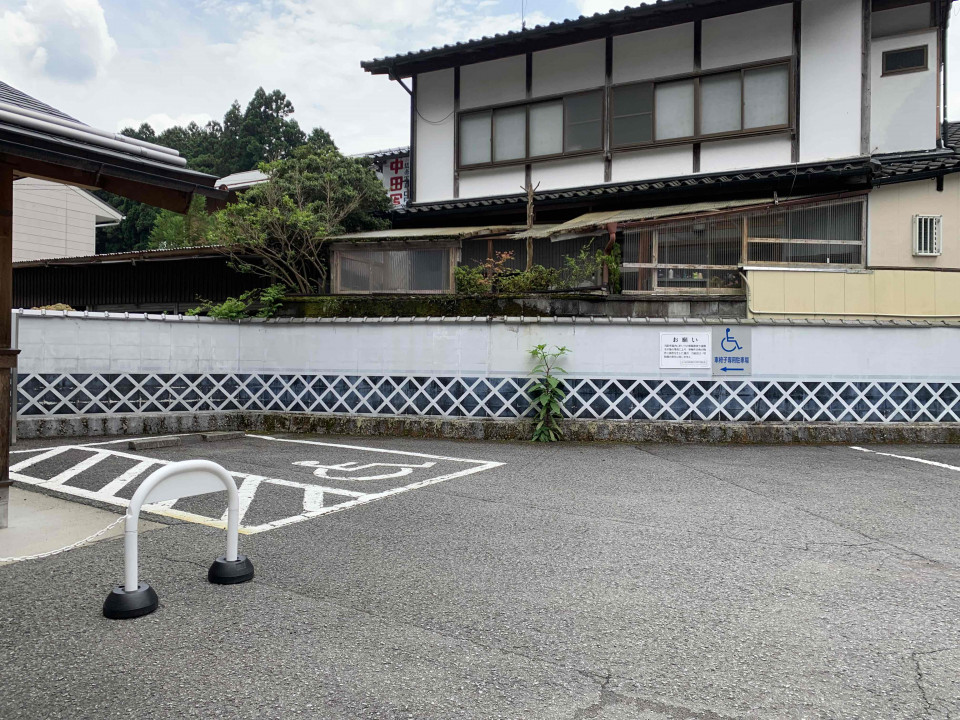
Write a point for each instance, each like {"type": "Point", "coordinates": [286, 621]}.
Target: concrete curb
{"type": "Point", "coordinates": [472, 429]}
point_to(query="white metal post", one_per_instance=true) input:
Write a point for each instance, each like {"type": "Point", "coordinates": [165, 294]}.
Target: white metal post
{"type": "Point", "coordinates": [177, 480]}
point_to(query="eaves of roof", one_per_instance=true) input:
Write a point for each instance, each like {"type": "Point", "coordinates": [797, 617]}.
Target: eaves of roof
{"type": "Point", "coordinates": [133, 256]}
{"type": "Point", "coordinates": [30, 144]}
{"type": "Point", "coordinates": [616, 22]}
{"type": "Point", "coordinates": [654, 191]}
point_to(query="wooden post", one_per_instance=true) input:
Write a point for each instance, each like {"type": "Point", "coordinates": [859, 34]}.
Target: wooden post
{"type": "Point", "coordinates": [8, 357]}
{"type": "Point", "coordinates": [530, 215]}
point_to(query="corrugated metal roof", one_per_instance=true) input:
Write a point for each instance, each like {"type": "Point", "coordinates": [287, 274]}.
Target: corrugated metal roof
{"type": "Point", "coordinates": [594, 220]}
{"type": "Point", "coordinates": [11, 95]}
{"type": "Point", "coordinates": [437, 233]}
{"type": "Point", "coordinates": [240, 180]}
{"type": "Point", "coordinates": [139, 255]}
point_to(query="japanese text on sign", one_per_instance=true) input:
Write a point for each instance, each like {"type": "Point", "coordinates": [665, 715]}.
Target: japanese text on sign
{"type": "Point", "coordinates": [684, 350]}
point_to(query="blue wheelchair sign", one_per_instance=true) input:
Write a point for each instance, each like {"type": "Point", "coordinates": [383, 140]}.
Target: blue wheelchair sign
{"type": "Point", "coordinates": [731, 351]}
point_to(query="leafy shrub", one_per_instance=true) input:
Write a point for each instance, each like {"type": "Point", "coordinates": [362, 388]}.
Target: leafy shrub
{"type": "Point", "coordinates": [536, 279]}
{"type": "Point", "coordinates": [268, 302]}
{"type": "Point", "coordinates": [547, 393]}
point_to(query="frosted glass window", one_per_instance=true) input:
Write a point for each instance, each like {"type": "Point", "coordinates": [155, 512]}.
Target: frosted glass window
{"type": "Point", "coordinates": [674, 102]}
{"type": "Point", "coordinates": [632, 114]}
{"type": "Point", "coordinates": [475, 138]}
{"type": "Point", "coordinates": [720, 103]}
{"type": "Point", "coordinates": [510, 133]}
{"type": "Point", "coordinates": [546, 128]}
{"type": "Point", "coordinates": [582, 115]}
{"type": "Point", "coordinates": [766, 98]}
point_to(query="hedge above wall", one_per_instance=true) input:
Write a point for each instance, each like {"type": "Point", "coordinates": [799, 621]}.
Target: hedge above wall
{"type": "Point", "coordinates": [546, 305]}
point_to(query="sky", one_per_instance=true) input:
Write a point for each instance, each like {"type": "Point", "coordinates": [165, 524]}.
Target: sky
{"type": "Point", "coordinates": [118, 63]}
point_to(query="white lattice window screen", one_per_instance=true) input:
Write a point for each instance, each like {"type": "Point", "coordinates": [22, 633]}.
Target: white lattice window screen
{"type": "Point", "coordinates": [927, 234]}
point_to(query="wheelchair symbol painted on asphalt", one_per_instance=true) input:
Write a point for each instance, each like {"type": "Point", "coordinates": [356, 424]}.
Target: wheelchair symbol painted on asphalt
{"type": "Point", "coordinates": [323, 471]}
{"type": "Point", "coordinates": [731, 351]}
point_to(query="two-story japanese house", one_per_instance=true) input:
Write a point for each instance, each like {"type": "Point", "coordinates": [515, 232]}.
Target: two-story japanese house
{"type": "Point", "coordinates": [793, 157]}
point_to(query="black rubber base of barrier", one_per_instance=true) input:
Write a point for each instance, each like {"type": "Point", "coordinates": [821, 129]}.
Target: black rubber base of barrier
{"type": "Point", "coordinates": [225, 572]}
{"type": "Point", "coordinates": [123, 605]}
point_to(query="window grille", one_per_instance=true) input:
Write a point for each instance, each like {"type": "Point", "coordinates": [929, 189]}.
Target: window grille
{"type": "Point", "coordinates": [927, 231]}
{"type": "Point", "coordinates": [400, 270]}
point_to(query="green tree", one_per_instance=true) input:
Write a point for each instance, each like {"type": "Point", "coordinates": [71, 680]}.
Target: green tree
{"type": "Point", "coordinates": [173, 230]}
{"type": "Point", "coordinates": [263, 132]}
{"type": "Point", "coordinates": [284, 223]}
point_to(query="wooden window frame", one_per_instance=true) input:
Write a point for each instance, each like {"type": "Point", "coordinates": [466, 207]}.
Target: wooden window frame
{"type": "Point", "coordinates": [698, 136]}
{"type": "Point", "coordinates": [744, 215]}
{"type": "Point", "coordinates": [527, 104]}
{"type": "Point", "coordinates": [606, 116]}
{"type": "Point", "coordinates": [905, 71]}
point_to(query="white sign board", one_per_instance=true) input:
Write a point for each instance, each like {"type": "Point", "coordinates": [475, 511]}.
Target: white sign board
{"type": "Point", "coordinates": [396, 179]}
{"type": "Point", "coordinates": [683, 350]}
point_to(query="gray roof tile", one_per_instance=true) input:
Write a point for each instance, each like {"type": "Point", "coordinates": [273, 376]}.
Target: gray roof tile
{"type": "Point", "coordinates": [12, 96]}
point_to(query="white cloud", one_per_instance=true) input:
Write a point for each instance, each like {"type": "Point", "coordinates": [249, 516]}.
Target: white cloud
{"type": "Point", "coordinates": [66, 40]}
{"type": "Point", "coordinates": [589, 7]}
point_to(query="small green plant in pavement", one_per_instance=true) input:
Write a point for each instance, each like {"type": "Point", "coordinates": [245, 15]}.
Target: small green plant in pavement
{"type": "Point", "coordinates": [547, 393]}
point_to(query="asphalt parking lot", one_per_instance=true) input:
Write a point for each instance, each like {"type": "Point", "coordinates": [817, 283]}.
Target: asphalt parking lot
{"type": "Point", "coordinates": [402, 578]}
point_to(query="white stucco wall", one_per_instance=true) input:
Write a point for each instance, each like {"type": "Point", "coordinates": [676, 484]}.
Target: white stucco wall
{"type": "Point", "coordinates": [617, 349]}
{"type": "Point", "coordinates": [830, 79]}
{"type": "Point", "coordinates": [662, 162]}
{"type": "Point", "coordinates": [747, 37]}
{"type": "Point", "coordinates": [653, 54]}
{"type": "Point", "coordinates": [903, 107]}
{"type": "Point", "coordinates": [740, 153]}
{"type": "Point", "coordinates": [494, 181]}
{"type": "Point", "coordinates": [493, 82]}
{"type": "Point", "coordinates": [570, 172]}
{"type": "Point", "coordinates": [569, 68]}
{"type": "Point", "coordinates": [435, 136]}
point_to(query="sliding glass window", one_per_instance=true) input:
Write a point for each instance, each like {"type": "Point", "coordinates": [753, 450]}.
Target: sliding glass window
{"type": "Point", "coordinates": [569, 125]}
{"type": "Point", "coordinates": [715, 104]}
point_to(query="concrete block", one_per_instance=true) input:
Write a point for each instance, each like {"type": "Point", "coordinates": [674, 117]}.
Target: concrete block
{"type": "Point", "coordinates": [222, 435]}
{"type": "Point", "coordinates": [153, 443]}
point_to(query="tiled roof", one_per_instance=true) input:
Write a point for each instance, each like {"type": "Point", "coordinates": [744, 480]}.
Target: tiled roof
{"type": "Point", "coordinates": [953, 134]}
{"type": "Point", "coordinates": [661, 12]}
{"type": "Point", "coordinates": [788, 173]}
{"type": "Point", "coordinates": [12, 96]}
{"type": "Point", "coordinates": [387, 154]}
{"type": "Point", "coordinates": [904, 167]}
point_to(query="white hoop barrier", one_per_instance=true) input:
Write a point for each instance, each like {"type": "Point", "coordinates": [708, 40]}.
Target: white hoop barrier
{"type": "Point", "coordinates": [176, 480]}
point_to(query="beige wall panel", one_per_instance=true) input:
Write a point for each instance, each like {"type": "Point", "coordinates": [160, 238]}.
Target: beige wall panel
{"type": "Point", "coordinates": [889, 292]}
{"type": "Point", "coordinates": [947, 292]}
{"type": "Point", "coordinates": [799, 292]}
{"type": "Point", "coordinates": [854, 294]}
{"type": "Point", "coordinates": [892, 208]}
{"type": "Point", "coordinates": [828, 291]}
{"type": "Point", "coordinates": [919, 293]}
{"type": "Point", "coordinates": [858, 293]}
{"type": "Point", "coordinates": [766, 290]}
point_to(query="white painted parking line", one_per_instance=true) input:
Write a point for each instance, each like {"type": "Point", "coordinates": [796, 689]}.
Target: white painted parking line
{"type": "Point", "coordinates": [907, 457]}
{"type": "Point", "coordinates": [314, 499]}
